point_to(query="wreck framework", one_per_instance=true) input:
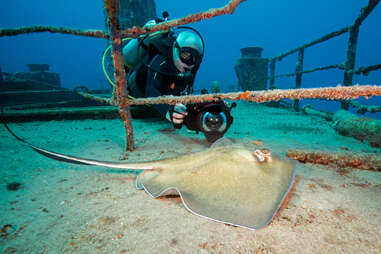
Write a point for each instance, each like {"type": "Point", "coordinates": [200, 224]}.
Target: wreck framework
{"type": "Point", "coordinates": [120, 94]}
{"type": "Point", "coordinates": [348, 66]}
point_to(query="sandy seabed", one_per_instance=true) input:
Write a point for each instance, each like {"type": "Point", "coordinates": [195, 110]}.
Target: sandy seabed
{"type": "Point", "coordinates": [66, 208]}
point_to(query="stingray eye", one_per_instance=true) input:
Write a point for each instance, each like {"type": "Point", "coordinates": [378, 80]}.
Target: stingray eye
{"type": "Point", "coordinates": [258, 155]}
{"type": "Point", "coordinates": [266, 154]}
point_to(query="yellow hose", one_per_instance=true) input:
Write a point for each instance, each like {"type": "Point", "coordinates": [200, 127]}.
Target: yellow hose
{"type": "Point", "coordinates": [104, 58]}
{"type": "Point", "coordinates": [104, 68]}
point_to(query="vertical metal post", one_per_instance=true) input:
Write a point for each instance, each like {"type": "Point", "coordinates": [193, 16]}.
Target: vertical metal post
{"type": "Point", "coordinates": [272, 74]}
{"type": "Point", "coordinates": [299, 70]}
{"type": "Point", "coordinates": [121, 91]}
{"type": "Point", "coordinates": [132, 13]}
{"type": "Point", "coordinates": [351, 59]}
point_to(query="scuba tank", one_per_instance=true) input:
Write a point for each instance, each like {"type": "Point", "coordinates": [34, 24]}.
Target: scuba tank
{"type": "Point", "coordinates": [132, 53]}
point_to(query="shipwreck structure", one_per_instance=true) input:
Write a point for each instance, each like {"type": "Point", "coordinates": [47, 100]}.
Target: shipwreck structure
{"type": "Point", "coordinates": [131, 13]}
{"type": "Point", "coordinates": [39, 77]}
{"type": "Point", "coordinates": [251, 69]}
{"type": "Point", "coordinates": [38, 88]}
{"type": "Point", "coordinates": [116, 33]}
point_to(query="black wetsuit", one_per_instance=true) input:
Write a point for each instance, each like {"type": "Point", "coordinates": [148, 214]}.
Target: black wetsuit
{"type": "Point", "coordinates": [151, 83]}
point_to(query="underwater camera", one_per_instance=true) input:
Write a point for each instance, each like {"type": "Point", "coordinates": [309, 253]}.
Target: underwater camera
{"type": "Point", "coordinates": [213, 119]}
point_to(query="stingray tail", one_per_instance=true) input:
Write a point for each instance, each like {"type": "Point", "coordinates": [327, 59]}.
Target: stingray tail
{"type": "Point", "coordinates": [75, 160]}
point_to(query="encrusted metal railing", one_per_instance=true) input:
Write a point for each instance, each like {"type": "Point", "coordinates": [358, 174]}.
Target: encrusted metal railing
{"type": "Point", "coordinates": [116, 36]}
{"type": "Point", "coordinates": [121, 100]}
{"type": "Point", "coordinates": [347, 66]}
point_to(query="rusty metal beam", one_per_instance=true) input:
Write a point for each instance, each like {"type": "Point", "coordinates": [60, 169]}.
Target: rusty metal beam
{"type": "Point", "coordinates": [272, 74]}
{"type": "Point", "coordinates": [361, 128]}
{"type": "Point", "coordinates": [121, 91]}
{"type": "Point", "coordinates": [351, 60]}
{"type": "Point", "coordinates": [299, 73]}
{"type": "Point", "coordinates": [361, 70]}
{"type": "Point", "coordinates": [329, 93]}
{"type": "Point", "coordinates": [96, 98]}
{"type": "Point", "coordinates": [363, 161]}
{"type": "Point", "coordinates": [365, 11]}
{"type": "Point", "coordinates": [333, 66]}
{"type": "Point", "coordinates": [63, 30]}
{"type": "Point", "coordinates": [227, 9]}
{"type": "Point", "coordinates": [367, 69]}
{"type": "Point", "coordinates": [317, 41]}
{"type": "Point", "coordinates": [362, 109]}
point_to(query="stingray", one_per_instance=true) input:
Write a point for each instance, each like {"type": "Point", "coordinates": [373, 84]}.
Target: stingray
{"type": "Point", "coordinates": [226, 183]}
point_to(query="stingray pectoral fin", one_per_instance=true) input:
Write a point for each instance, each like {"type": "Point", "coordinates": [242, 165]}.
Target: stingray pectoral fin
{"type": "Point", "coordinates": [241, 194]}
{"type": "Point", "coordinates": [153, 182]}
{"type": "Point", "coordinates": [144, 177]}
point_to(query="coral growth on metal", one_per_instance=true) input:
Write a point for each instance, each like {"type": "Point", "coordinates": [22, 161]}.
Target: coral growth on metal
{"type": "Point", "coordinates": [116, 36]}
{"type": "Point", "coordinates": [120, 97]}
{"type": "Point", "coordinates": [330, 93]}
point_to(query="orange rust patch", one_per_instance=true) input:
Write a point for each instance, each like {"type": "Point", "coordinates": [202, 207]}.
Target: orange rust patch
{"type": "Point", "coordinates": [258, 142]}
{"type": "Point", "coordinates": [208, 16]}
{"type": "Point", "coordinates": [203, 245]}
{"type": "Point", "coordinates": [244, 95]}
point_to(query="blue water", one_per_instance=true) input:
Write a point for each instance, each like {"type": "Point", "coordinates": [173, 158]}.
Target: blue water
{"type": "Point", "coordinates": [62, 207]}
{"type": "Point", "coordinates": [277, 26]}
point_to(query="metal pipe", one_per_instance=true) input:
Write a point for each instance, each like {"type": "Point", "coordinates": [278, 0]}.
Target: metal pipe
{"type": "Point", "coordinates": [329, 93]}
{"type": "Point", "coordinates": [121, 91]}
{"type": "Point", "coordinates": [299, 73]}
{"type": "Point", "coordinates": [317, 41]}
{"type": "Point", "coordinates": [164, 26]}
{"type": "Point", "coordinates": [51, 29]}
{"type": "Point", "coordinates": [272, 74]}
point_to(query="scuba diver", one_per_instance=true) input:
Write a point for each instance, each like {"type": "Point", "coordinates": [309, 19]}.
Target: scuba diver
{"type": "Point", "coordinates": [166, 63]}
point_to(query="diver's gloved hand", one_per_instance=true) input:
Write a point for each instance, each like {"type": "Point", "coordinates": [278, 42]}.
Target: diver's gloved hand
{"type": "Point", "coordinates": [178, 114]}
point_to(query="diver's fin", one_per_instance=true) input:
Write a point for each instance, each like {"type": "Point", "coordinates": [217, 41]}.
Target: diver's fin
{"type": "Point", "coordinates": [72, 159]}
